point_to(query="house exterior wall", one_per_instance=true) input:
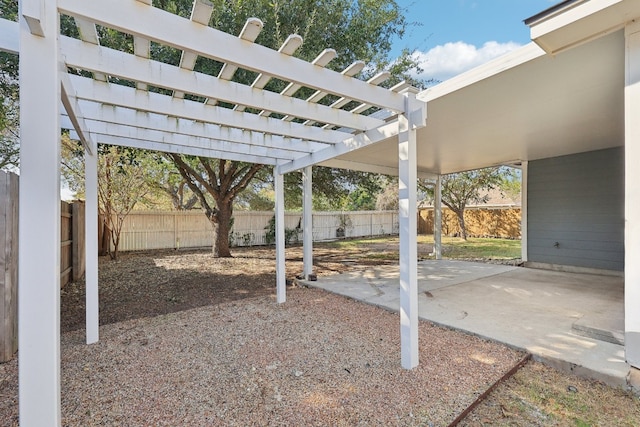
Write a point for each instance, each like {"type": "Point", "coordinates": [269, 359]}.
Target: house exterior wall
{"type": "Point", "coordinates": [576, 210]}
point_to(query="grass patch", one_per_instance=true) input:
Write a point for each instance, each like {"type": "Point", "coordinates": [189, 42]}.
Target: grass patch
{"type": "Point", "coordinates": [453, 247]}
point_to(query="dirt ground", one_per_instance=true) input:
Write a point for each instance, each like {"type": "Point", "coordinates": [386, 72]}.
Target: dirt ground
{"type": "Point", "coordinates": [169, 281]}
{"type": "Point", "coordinates": [147, 284]}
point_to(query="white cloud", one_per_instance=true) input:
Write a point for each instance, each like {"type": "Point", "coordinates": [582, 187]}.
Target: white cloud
{"type": "Point", "coordinates": [448, 60]}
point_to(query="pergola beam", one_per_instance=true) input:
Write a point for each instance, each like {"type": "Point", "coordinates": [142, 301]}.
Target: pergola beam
{"type": "Point", "coordinates": [223, 148]}
{"type": "Point", "coordinates": [355, 142]}
{"type": "Point", "coordinates": [125, 116]}
{"type": "Point", "coordinates": [74, 112]}
{"type": "Point", "coordinates": [112, 62]}
{"type": "Point", "coordinates": [123, 96]}
{"type": "Point", "coordinates": [9, 36]}
{"type": "Point", "coordinates": [171, 30]}
{"type": "Point", "coordinates": [177, 149]}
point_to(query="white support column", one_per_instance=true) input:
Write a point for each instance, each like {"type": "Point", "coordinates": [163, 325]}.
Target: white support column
{"type": "Point", "coordinates": [437, 218]}
{"type": "Point", "coordinates": [307, 221]}
{"type": "Point", "coordinates": [632, 195]}
{"type": "Point", "coordinates": [524, 233]}
{"type": "Point", "coordinates": [91, 243]}
{"type": "Point", "coordinates": [281, 281]}
{"type": "Point", "coordinates": [39, 228]}
{"type": "Point", "coordinates": [408, 182]}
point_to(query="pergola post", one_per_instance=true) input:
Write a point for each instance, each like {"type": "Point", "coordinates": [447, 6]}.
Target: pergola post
{"type": "Point", "coordinates": [408, 185]}
{"type": "Point", "coordinates": [39, 219]}
{"type": "Point", "coordinates": [281, 282]}
{"type": "Point", "coordinates": [437, 218]}
{"type": "Point", "coordinates": [91, 243]}
{"type": "Point", "coordinates": [632, 194]}
{"type": "Point", "coordinates": [307, 221]}
{"type": "Point", "coordinates": [524, 234]}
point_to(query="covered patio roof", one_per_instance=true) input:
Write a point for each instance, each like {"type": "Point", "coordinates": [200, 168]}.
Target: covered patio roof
{"type": "Point", "coordinates": [525, 105]}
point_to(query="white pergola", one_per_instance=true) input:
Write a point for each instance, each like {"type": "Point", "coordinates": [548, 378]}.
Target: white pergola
{"type": "Point", "coordinates": [97, 110]}
{"type": "Point", "coordinates": [575, 88]}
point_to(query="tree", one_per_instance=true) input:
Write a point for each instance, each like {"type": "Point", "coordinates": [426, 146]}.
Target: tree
{"type": "Point", "coordinates": [9, 112]}
{"type": "Point", "coordinates": [362, 30]}
{"type": "Point", "coordinates": [221, 179]}
{"type": "Point", "coordinates": [121, 183]}
{"type": "Point", "coordinates": [121, 187]}
{"type": "Point", "coordinates": [9, 103]}
{"type": "Point", "coordinates": [460, 189]}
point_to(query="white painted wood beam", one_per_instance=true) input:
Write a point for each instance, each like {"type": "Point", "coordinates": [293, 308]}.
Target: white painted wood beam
{"type": "Point", "coordinates": [307, 221]}
{"type": "Point", "coordinates": [222, 147]}
{"type": "Point", "coordinates": [115, 63]}
{"type": "Point", "coordinates": [321, 61]}
{"type": "Point", "coordinates": [281, 280]}
{"type": "Point", "coordinates": [89, 33]}
{"type": "Point", "coordinates": [33, 13]}
{"type": "Point", "coordinates": [249, 32]}
{"type": "Point", "coordinates": [169, 29]}
{"type": "Point", "coordinates": [363, 107]}
{"type": "Point", "coordinates": [142, 48]}
{"type": "Point", "coordinates": [350, 71]}
{"type": "Point", "coordinates": [178, 149]}
{"type": "Point", "coordinates": [408, 186]}
{"type": "Point", "coordinates": [9, 36]}
{"type": "Point", "coordinates": [290, 45]}
{"type": "Point", "coordinates": [125, 116]}
{"type": "Point", "coordinates": [357, 166]}
{"type": "Point", "coordinates": [39, 217]}
{"type": "Point", "coordinates": [123, 96]}
{"type": "Point", "coordinates": [92, 302]}
{"type": "Point", "coordinates": [200, 13]}
{"type": "Point", "coordinates": [354, 142]}
{"type": "Point", "coordinates": [74, 111]}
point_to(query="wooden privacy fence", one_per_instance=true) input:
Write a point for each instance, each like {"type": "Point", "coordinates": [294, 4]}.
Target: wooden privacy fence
{"type": "Point", "coordinates": [480, 222]}
{"type": "Point", "coordinates": [72, 261]}
{"type": "Point", "coordinates": [171, 230]}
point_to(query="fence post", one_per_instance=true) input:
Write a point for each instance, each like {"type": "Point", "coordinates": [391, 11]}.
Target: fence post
{"type": "Point", "coordinates": [9, 265]}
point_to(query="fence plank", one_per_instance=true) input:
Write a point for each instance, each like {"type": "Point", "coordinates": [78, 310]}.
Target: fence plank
{"type": "Point", "coordinates": [9, 265]}
{"type": "Point", "coordinates": [66, 258]}
{"type": "Point", "coordinates": [78, 240]}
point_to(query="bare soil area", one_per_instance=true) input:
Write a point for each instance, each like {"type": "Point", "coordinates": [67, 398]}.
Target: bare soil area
{"type": "Point", "coordinates": [187, 339]}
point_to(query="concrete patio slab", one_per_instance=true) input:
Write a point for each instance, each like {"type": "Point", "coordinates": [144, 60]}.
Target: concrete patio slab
{"type": "Point", "coordinates": [558, 317]}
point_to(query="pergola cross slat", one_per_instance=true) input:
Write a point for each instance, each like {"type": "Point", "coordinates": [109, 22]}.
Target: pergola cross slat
{"type": "Point", "coordinates": [163, 27]}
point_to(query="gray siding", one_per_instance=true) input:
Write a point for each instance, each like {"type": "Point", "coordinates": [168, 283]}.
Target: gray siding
{"type": "Point", "coordinates": [577, 201]}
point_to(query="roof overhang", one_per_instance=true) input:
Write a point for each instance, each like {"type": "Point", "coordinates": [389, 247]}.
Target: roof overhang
{"type": "Point", "coordinates": [527, 104]}
{"type": "Point", "coordinates": [575, 22]}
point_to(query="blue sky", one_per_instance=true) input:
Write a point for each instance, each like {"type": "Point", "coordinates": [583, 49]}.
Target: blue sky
{"type": "Point", "coordinates": [453, 36]}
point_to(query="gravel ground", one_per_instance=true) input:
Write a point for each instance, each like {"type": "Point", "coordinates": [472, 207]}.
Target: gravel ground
{"type": "Point", "coordinates": [319, 359]}
{"type": "Point", "coordinates": [191, 340]}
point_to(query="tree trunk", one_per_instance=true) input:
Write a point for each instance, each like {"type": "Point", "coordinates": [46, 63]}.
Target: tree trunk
{"type": "Point", "coordinates": [221, 227]}
{"type": "Point", "coordinates": [463, 227]}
